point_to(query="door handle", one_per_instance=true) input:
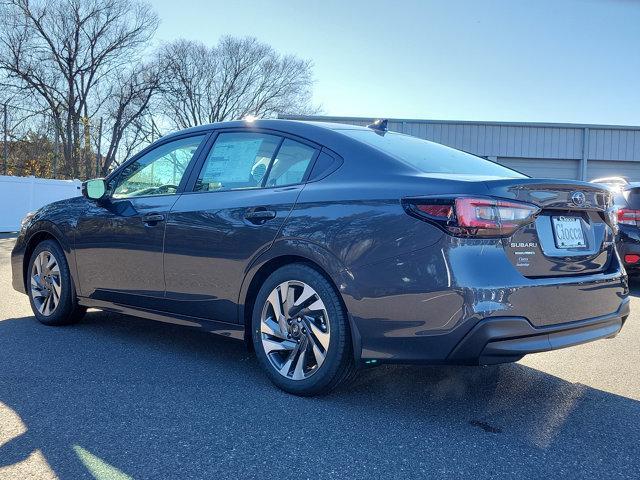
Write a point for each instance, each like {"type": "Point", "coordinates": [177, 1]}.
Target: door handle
{"type": "Point", "coordinates": [259, 215]}
{"type": "Point", "coordinates": [152, 219]}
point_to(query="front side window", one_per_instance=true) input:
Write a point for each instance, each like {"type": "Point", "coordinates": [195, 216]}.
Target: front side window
{"type": "Point", "coordinates": [237, 160]}
{"type": "Point", "coordinates": [158, 172]}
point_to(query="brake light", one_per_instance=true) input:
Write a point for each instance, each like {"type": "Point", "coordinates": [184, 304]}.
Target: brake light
{"type": "Point", "coordinates": [467, 216]}
{"type": "Point", "coordinates": [444, 211]}
{"type": "Point", "coordinates": [627, 216]}
{"type": "Point", "coordinates": [631, 258]}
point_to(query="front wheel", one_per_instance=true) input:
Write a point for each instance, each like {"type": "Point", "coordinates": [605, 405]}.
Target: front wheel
{"type": "Point", "coordinates": [300, 331]}
{"type": "Point", "coordinates": [50, 287]}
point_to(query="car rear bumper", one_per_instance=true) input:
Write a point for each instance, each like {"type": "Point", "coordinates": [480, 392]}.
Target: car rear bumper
{"type": "Point", "coordinates": [471, 306]}
{"type": "Point", "coordinates": [629, 244]}
{"type": "Point", "coordinates": [494, 340]}
{"type": "Point", "coordinates": [508, 339]}
{"type": "Point", "coordinates": [629, 248]}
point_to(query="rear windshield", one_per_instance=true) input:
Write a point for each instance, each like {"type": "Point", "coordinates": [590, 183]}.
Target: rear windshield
{"type": "Point", "coordinates": [629, 198]}
{"type": "Point", "coordinates": [431, 157]}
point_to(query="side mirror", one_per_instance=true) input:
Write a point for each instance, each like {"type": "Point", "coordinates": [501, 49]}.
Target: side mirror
{"type": "Point", "coordinates": [94, 189]}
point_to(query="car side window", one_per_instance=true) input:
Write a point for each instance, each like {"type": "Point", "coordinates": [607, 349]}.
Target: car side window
{"type": "Point", "coordinates": [290, 164]}
{"type": "Point", "coordinates": [237, 160]}
{"type": "Point", "coordinates": [159, 171]}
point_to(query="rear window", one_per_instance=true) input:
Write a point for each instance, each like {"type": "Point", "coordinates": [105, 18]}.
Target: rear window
{"type": "Point", "coordinates": [431, 157]}
{"type": "Point", "coordinates": [629, 198]}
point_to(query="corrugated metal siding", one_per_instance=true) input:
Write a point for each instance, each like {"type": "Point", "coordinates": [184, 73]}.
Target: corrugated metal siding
{"type": "Point", "coordinates": [538, 149]}
{"type": "Point", "coordinates": [543, 168]}
{"type": "Point", "coordinates": [612, 144]}
{"type": "Point", "coordinates": [499, 140]}
{"type": "Point", "coordinates": [604, 168]}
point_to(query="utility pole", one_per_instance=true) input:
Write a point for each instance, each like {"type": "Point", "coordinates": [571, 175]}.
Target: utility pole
{"type": "Point", "coordinates": [56, 149]}
{"type": "Point", "coordinates": [5, 148]}
{"type": "Point", "coordinates": [98, 152]}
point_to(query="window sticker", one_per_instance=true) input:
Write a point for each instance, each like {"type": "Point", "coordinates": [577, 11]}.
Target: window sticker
{"type": "Point", "coordinates": [232, 161]}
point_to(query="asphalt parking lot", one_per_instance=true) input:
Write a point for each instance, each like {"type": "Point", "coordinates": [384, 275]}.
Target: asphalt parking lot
{"type": "Point", "coordinates": [119, 397]}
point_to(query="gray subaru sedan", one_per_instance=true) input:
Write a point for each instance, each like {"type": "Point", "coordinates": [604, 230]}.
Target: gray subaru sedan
{"type": "Point", "coordinates": [326, 247]}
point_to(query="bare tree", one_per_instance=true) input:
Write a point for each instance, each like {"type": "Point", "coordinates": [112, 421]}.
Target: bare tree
{"type": "Point", "coordinates": [29, 133]}
{"type": "Point", "coordinates": [236, 78]}
{"type": "Point", "coordinates": [130, 102]}
{"type": "Point", "coordinates": [74, 56]}
{"type": "Point", "coordinates": [76, 67]}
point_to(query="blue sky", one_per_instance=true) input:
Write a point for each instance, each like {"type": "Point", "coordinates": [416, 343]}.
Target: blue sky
{"type": "Point", "coordinates": [513, 60]}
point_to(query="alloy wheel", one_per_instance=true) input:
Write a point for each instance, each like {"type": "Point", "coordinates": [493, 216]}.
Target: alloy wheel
{"type": "Point", "coordinates": [46, 283]}
{"type": "Point", "coordinates": [295, 330]}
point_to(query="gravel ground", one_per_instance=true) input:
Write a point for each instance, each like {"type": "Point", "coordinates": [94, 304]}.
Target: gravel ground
{"type": "Point", "coordinates": [120, 397]}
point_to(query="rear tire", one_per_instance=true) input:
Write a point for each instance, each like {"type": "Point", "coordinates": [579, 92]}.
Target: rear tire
{"type": "Point", "coordinates": [304, 344]}
{"type": "Point", "coordinates": [50, 287]}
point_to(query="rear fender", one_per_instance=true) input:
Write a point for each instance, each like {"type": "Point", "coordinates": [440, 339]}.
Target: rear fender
{"type": "Point", "coordinates": [292, 250]}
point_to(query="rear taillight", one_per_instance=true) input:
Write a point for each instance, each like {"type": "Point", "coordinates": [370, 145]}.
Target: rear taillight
{"type": "Point", "coordinates": [627, 216]}
{"type": "Point", "coordinates": [631, 258]}
{"type": "Point", "coordinates": [470, 216]}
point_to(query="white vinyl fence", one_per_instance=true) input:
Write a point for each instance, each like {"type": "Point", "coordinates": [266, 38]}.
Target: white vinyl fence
{"type": "Point", "coordinates": [20, 195]}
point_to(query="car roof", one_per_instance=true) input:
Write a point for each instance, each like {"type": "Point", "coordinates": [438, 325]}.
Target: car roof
{"type": "Point", "coordinates": [297, 127]}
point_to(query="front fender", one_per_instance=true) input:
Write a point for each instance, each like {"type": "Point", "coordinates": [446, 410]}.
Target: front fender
{"type": "Point", "coordinates": [37, 231]}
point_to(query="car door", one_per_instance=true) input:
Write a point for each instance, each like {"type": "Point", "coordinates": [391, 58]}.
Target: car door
{"type": "Point", "coordinates": [120, 240]}
{"type": "Point", "coordinates": [241, 196]}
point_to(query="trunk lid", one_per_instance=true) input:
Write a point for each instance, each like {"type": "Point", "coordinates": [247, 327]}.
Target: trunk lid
{"type": "Point", "coordinates": [572, 235]}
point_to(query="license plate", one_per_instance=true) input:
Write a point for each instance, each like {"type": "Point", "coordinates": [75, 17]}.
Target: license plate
{"type": "Point", "coordinates": [568, 232]}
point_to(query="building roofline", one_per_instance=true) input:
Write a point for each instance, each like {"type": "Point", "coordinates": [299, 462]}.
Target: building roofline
{"type": "Point", "coordinates": [332, 118]}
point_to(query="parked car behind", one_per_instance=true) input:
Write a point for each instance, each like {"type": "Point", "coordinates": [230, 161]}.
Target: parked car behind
{"type": "Point", "coordinates": [327, 246]}
{"type": "Point", "coordinates": [626, 197]}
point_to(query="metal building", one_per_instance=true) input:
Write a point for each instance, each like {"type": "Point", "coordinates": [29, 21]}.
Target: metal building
{"type": "Point", "coordinates": [558, 150]}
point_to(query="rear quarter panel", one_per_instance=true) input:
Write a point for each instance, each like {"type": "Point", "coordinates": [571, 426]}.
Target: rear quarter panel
{"type": "Point", "coordinates": [403, 279]}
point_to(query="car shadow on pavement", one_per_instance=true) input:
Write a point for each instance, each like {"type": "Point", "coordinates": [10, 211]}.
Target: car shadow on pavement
{"type": "Point", "coordinates": [154, 400]}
